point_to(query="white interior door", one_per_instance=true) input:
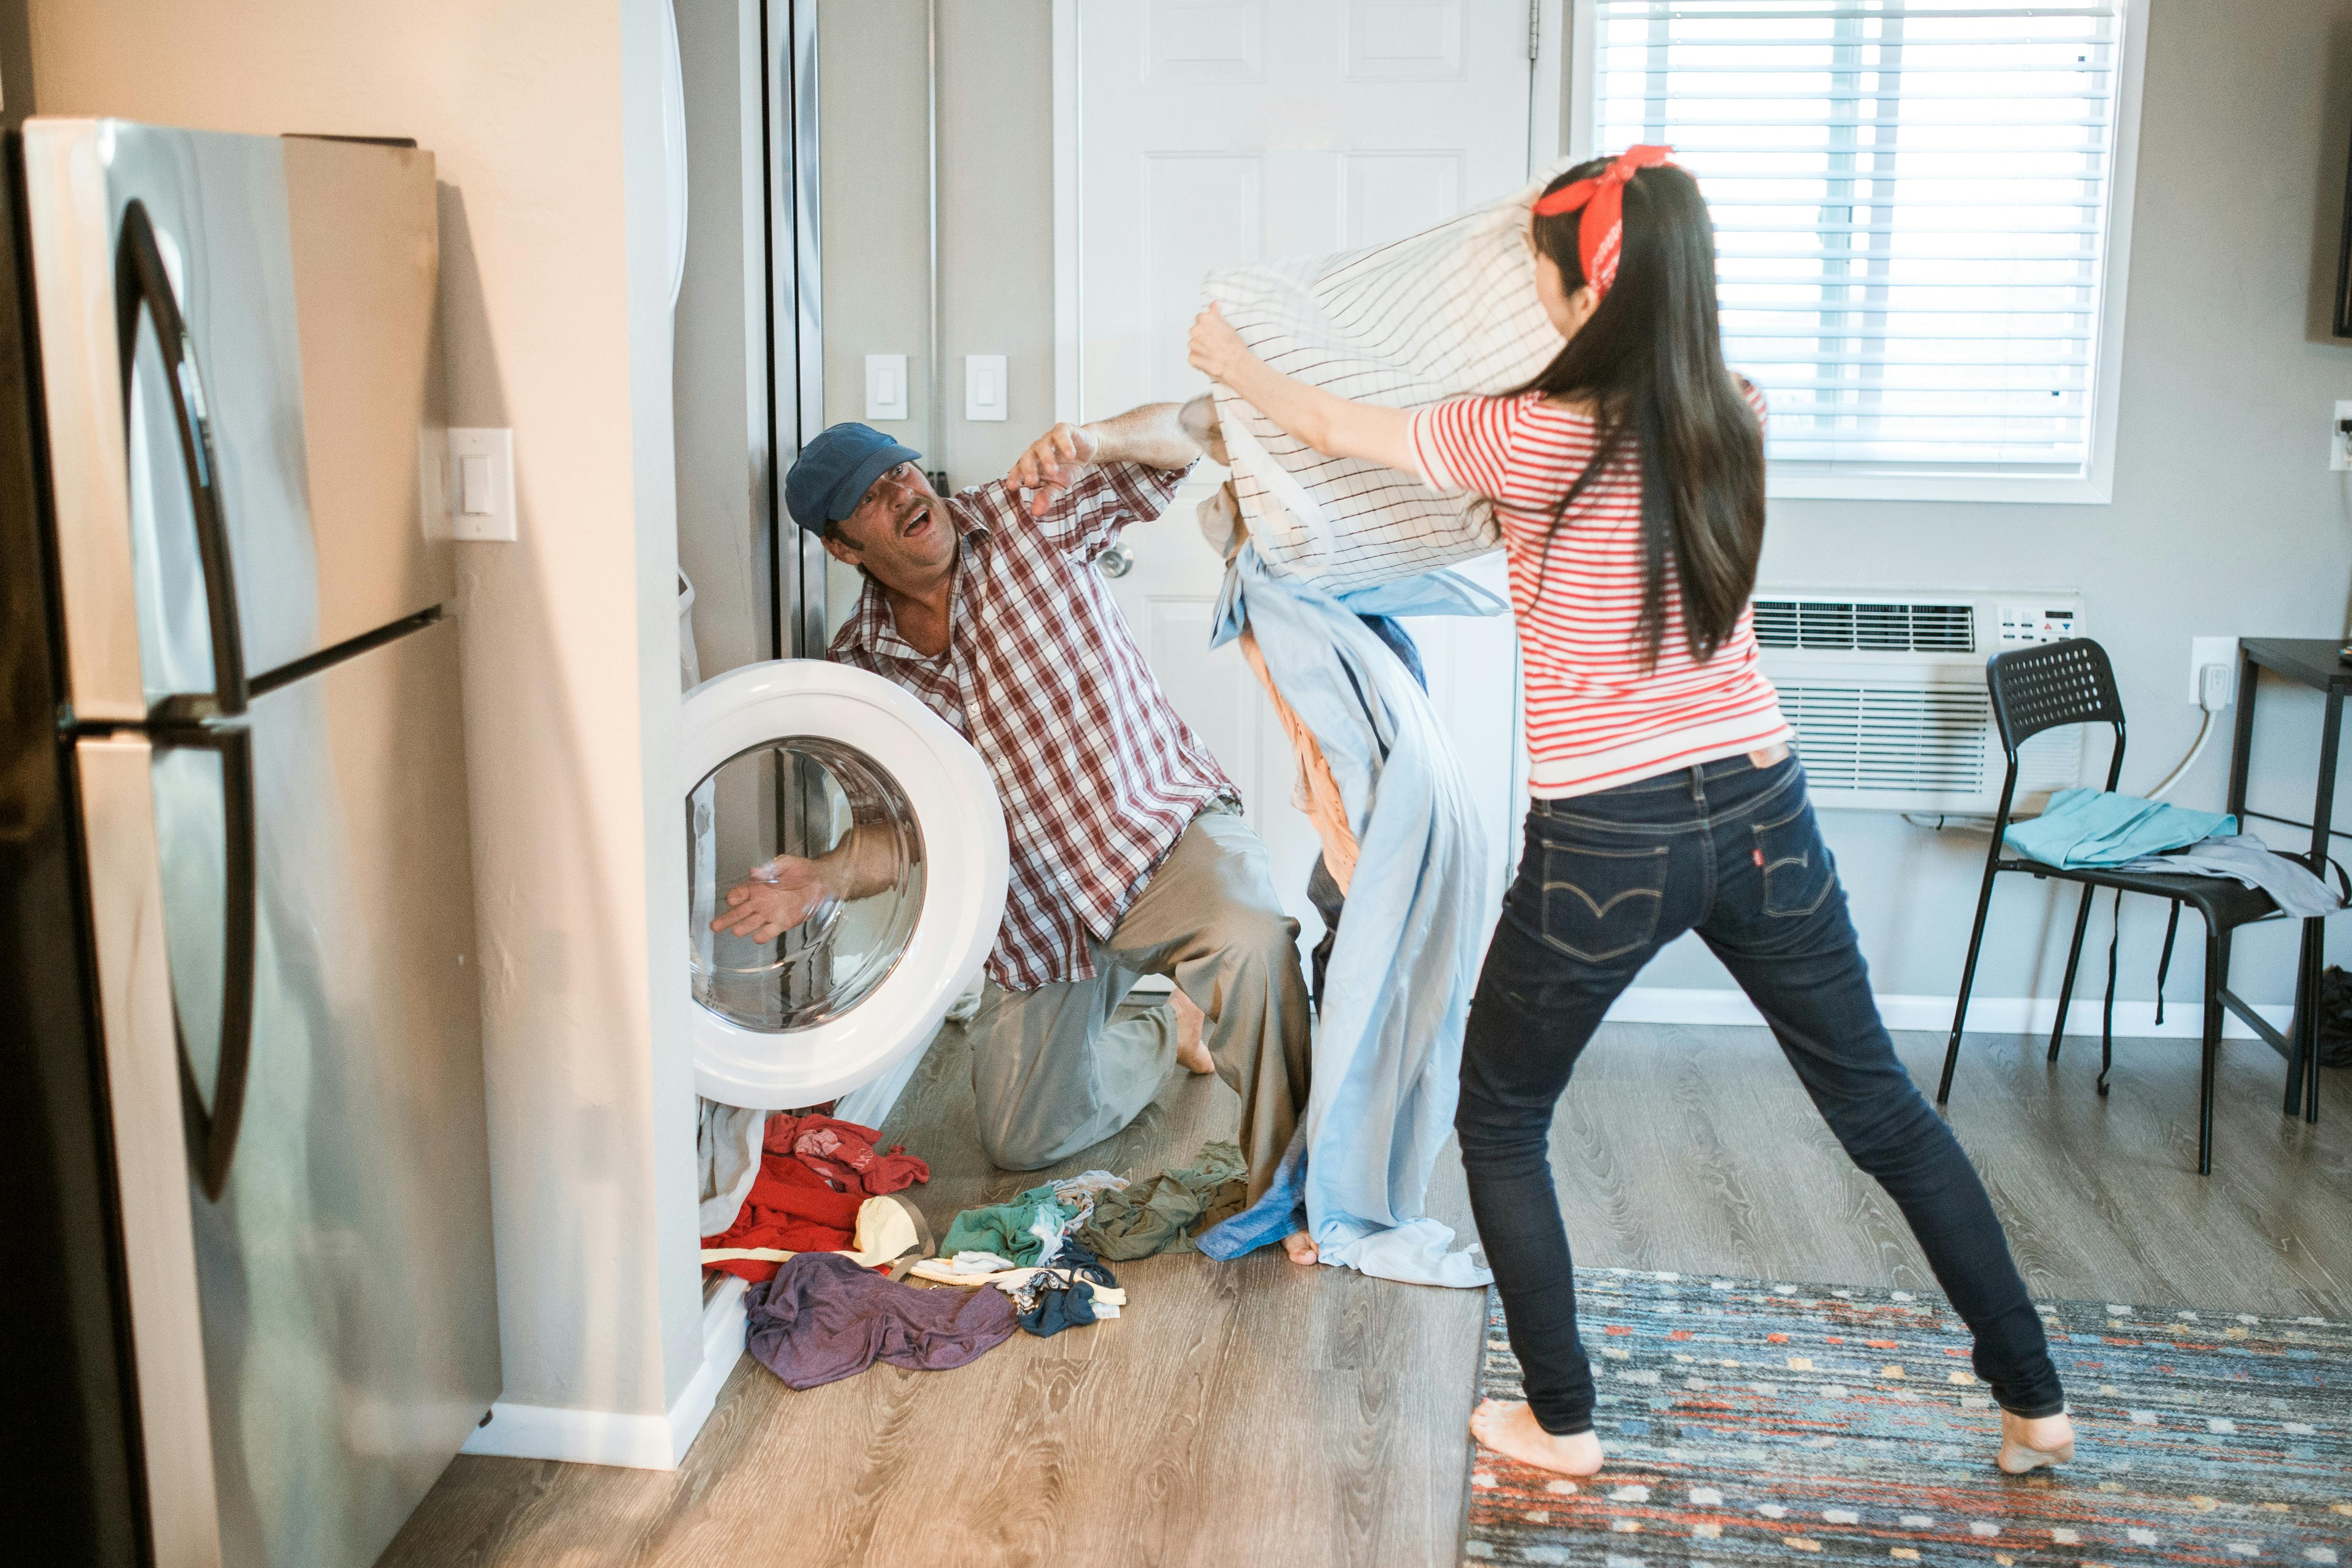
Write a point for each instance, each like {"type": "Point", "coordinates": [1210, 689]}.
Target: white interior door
{"type": "Point", "coordinates": [1210, 132]}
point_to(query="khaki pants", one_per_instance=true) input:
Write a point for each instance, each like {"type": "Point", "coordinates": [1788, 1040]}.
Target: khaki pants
{"type": "Point", "coordinates": [1052, 1074]}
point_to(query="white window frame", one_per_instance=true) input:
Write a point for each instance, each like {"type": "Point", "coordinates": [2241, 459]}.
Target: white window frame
{"type": "Point", "coordinates": [2096, 484]}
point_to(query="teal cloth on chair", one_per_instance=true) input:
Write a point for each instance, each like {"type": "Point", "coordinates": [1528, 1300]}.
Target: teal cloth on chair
{"type": "Point", "coordinates": [2092, 827]}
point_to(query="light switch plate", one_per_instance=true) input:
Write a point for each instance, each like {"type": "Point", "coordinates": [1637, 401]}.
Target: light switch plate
{"type": "Point", "coordinates": [481, 484]}
{"type": "Point", "coordinates": [984, 393]}
{"type": "Point", "coordinates": [885, 387]}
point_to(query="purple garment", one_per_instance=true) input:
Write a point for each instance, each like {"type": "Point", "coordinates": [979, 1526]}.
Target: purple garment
{"type": "Point", "coordinates": [822, 1318]}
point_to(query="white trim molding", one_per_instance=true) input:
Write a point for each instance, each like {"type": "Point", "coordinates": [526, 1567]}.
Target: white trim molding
{"type": "Point", "coordinates": [610, 1438]}
{"type": "Point", "coordinates": [1546, 84]}
{"type": "Point", "coordinates": [1069, 356]}
{"type": "Point", "coordinates": [1933, 1014]}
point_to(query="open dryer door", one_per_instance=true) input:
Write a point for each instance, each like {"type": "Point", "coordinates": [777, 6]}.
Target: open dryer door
{"type": "Point", "coordinates": [792, 757]}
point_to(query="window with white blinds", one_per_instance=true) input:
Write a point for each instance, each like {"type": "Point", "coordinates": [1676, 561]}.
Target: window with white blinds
{"type": "Point", "coordinates": [1915, 209]}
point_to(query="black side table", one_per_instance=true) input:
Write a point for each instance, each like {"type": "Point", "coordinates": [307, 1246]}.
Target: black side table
{"type": "Point", "coordinates": [2307, 661]}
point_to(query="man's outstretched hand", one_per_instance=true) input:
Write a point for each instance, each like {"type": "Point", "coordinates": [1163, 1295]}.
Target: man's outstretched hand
{"type": "Point", "coordinates": [1052, 464]}
{"type": "Point", "coordinates": [773, 899]}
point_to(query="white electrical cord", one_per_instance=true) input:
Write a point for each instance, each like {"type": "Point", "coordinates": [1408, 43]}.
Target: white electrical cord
{"type": "Point", "coordinates": [2204, 734]}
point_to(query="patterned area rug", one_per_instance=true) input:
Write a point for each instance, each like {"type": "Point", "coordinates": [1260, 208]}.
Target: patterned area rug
{"type": "Point", "coordinates": [1749, 1422]}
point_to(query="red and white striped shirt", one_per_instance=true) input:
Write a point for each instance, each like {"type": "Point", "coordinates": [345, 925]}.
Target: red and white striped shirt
{"type": "Point", "coordinates": [1596, 715]}
{"type": "Point", "coordinates": [1099, 775]}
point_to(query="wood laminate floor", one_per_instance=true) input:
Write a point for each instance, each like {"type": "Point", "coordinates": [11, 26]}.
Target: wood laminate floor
{"type": "Point", "coordinates": [1256, 1412]}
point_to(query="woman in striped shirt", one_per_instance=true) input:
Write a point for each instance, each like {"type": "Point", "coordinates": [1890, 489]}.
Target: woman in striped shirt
{"type": "Point", "coordinates": [1628, 479]}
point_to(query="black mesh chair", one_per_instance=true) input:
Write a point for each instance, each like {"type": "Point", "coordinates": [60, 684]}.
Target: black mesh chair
{"type": "Point", "coordinates": [2071, 682]}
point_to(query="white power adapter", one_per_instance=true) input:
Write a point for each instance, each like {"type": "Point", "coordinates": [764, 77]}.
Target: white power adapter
{"type": "Point", "coordinates": [2216, 687]}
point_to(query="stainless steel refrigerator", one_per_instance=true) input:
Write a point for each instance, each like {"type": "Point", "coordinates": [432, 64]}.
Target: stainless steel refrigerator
{"type": "Point", "coordinates": [250, 1304]}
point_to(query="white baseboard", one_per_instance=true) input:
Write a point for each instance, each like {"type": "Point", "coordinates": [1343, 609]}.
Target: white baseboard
{"type": "Point", "coordinates": [609, 1437]}
{"type": "Point", "coordinates": [1933, 1014]}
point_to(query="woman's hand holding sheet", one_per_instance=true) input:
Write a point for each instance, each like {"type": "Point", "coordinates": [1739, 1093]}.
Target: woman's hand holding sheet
{"type": "Point", "coordinates": [1331, 424]}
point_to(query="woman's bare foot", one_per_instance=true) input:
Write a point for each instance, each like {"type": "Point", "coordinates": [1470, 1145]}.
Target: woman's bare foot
{"type": "Point", "coordinates": [1511, 1429]}
{"type": "Point", "coordinates": [1300, 1246]}
{"type": "Point", "coordinates": [1188, 1048]}
{"type": "Point", "coordinates": [2028, 1444]}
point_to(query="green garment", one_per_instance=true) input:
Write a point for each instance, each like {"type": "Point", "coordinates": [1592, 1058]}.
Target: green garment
{"type": "Point", "coordinates": [1163, 1212]}
{"type": "Point", "coordinates": [1009, 1230]}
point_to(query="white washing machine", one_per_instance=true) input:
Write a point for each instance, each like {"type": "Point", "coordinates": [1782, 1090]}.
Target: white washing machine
{"type": "Point", "coordinates": [792, 757]}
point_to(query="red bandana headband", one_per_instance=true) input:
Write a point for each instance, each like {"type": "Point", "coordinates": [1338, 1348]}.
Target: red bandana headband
{"type": "Point", "coordinates": [1602, 199]}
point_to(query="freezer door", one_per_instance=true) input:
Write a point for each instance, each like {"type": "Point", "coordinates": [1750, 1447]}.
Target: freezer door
{"type": "Point", "coordinates": [121, 851]}
{"type": "Point", "coordinates": [167, 270]}
{"type": "Point", "coordinates": [350, 1320]}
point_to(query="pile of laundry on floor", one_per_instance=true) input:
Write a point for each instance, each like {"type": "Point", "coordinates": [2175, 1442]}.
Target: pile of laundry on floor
{"type": "Point", "coordinates": [1047, 1249]}
{"type": "Point", "coordinates": [820, 1186]}
{"type": "Point", "coordinates": [833, 1251]}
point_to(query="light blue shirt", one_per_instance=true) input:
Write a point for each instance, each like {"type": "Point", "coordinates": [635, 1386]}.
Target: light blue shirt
{"type": "Point", "coordinates": [1388, 1052]}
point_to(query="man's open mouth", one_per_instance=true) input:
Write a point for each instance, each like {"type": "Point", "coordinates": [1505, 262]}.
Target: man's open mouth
{"type": "Point", "coordinates": [915, 521]}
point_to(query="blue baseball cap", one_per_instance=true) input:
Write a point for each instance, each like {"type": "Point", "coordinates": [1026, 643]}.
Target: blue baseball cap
{"type": "Point", "coordinates": [830, 474]}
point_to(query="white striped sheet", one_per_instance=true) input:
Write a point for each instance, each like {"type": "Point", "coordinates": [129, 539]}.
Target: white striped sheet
{"type": "Point", "coordinates": [1450, 310]}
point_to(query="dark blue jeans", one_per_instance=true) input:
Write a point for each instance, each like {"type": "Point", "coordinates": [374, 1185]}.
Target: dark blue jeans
{"type": "Point", "coordinates": [1731, 851]}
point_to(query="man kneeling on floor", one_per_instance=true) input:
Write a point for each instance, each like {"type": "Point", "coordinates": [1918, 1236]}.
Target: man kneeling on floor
{"type": "Point", "coordinates": [1128, 853]}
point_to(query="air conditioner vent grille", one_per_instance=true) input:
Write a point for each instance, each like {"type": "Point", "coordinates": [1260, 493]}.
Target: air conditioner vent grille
{"type": "Point", "coordinates": [1931, 739]}
{"type": "Point", "coordinates": [1865, 626]}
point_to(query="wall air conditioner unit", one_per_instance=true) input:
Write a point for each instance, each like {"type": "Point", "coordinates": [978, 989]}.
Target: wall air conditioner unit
{"type": "Point", "coordinates": [1886, 692]}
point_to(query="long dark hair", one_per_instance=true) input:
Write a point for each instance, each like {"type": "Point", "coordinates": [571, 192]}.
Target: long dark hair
{"type": "Point", "coordinates": [1650, 360]}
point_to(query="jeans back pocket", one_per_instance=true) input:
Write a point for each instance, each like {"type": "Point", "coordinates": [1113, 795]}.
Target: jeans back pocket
{"type": "Point", "coordinates": [1600, 904]}
{"type": "Point", "coordinates": [1795, 864]}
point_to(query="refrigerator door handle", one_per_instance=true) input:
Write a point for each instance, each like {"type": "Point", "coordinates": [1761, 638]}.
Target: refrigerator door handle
{"type": "Point", "coordinates": [140, 280]}
{"type": "Point", "coordinates": [211, 1134]}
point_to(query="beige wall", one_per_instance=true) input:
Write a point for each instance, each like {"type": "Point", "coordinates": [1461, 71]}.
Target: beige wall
{"type": "Point", "coordinates": [543, 116]}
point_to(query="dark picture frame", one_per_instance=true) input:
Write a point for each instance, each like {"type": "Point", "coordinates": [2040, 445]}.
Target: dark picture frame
{"type": "Point", "coordinates": [2344, 259]}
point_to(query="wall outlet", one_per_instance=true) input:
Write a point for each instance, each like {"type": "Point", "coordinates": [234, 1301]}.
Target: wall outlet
{"type": "Point", "coordinates": [885, 387]}
{"type": "Point", "coordinates": [2339, 440]}
{"type": "Point", "coordinates": [2203, 651]}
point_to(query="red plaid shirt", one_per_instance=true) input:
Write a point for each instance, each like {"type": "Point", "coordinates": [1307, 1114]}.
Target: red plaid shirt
{"type": "Point", "coordinates": [1099, 775]}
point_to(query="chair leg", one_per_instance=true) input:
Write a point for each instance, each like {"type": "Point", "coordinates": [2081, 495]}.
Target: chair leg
{"type": "Point", "coordinates": [2073, 962]}
{"type": "Point", "coordinates": [1968, 975]}
{"type": "Point", "coordinates": [2212, 1053]}
{"type": "Point", "coordinates": [2108, 1007]}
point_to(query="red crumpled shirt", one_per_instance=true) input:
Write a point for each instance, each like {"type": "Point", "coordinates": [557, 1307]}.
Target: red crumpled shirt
{"type": "Point", "coordinates": [797, 1202]}
{"type": "Point", "coordinates": [792, 1208]}
{"type": "Point", "coordinates": [844, 1151]}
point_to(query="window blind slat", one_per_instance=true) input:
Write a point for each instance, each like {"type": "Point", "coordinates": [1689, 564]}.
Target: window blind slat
{"type": "Point", "coordinates": [1905, 88]}
{"type": "Point", "coordinates": [1816, 39]}
{"type": "Point", "coordinates": [1688, 10]}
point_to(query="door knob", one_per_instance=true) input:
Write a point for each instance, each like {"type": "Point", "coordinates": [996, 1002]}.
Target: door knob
{"type": "Point", "coordinates": [1116, 562]}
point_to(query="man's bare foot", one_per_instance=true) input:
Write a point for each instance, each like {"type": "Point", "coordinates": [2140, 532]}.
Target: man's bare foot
{"type": "Point", "coordinates": [1188, 1048]}
{"type": "Point", "coordinates": [1511, 1428]}
{"type": "Point", "coordinates": [1300, 1246]}
{"type": "Point", "coordinates": [2028, 1444]}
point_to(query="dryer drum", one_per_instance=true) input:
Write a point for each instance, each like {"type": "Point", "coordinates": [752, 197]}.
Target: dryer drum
{"type": "Point", "coordinates": [793, 758]}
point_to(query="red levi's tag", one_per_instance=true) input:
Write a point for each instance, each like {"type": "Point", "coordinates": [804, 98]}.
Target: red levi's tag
{"type": "Point", "coordinates": [1760, 857]}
